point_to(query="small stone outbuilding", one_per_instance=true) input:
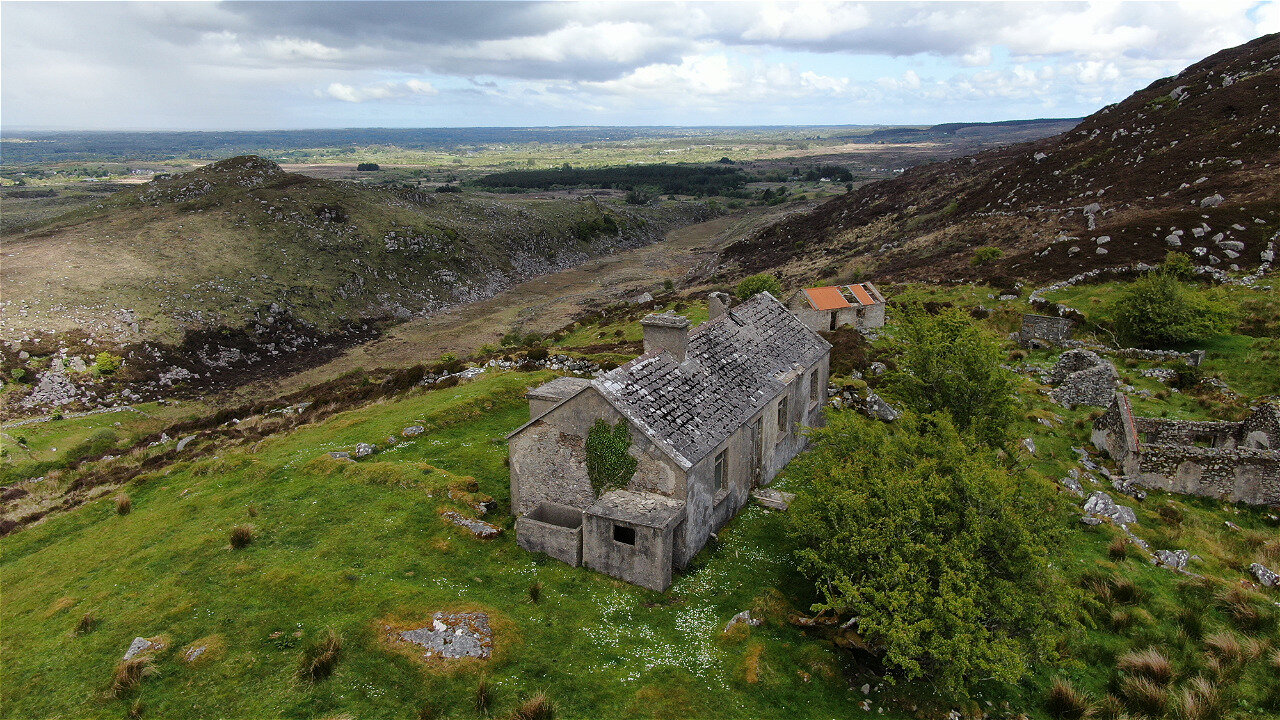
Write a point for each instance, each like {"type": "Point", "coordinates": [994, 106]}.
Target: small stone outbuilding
{"type": "Point", "coordinates": [827, 308]}
{"type": "Point", "coordinates": [710, 414]}
{"type": "Point", "coordinates": [1233, 461]}
{"type": "Point", "coordinates": [1042, 331]}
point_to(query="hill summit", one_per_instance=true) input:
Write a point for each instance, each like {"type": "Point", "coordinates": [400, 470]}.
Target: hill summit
{"type": "Point", "coordinates": [1191, 163]}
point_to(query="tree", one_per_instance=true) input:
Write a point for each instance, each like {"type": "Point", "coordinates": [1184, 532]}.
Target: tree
{"type": "Point", "coordinates": [758, 284]}
{"type": "Point", "coordinates": [938, 551]}
{"type": "Point", "coordinates": [609, 465]}
{"type": "Point", "coordinates": [1158, 310]}
{"type": "Point", "coordinates": [949, 365]}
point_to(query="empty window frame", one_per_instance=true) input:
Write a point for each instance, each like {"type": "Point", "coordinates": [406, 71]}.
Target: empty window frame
{"type": "Point", "coordinates": [624, 534]}
{"type": "Point", "coordinates": [813, 386]}
{"type": "Point", "coordinates": [784, 418]}
{"type": "Point", "coordinates": [722, 471]}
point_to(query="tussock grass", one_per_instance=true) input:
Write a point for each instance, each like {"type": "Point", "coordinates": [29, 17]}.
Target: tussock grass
{"type": "Point", "coordinates": [1110, 707]}
{"type": "Point", "coordinates": [242, 536]}
{"type": "Point", "coordinates": [321, 659]}
{"type": "Point", "coordinates": [538, 707]}
{"type": "Point", "coordinates": [1064, 702]}
{"type": "Point", "coordinates": [535, 592]}
{"type": "Point", "coordinates": [1150, 663]}
{"type": "Point", "coordinates": [483, 697]}
{"type": "Point", "coordinates": [129, 674]}
{"type": "Point", "coordinates": [1198, 700]}
{"type": "Point", "coordinates": [1119, 548]}
{"type": "Point", "coordinates": [1145, 696]}
{"type": "Point", "coordinates": [86, 624]}
{"type": "Point", "coordinates": [124, 504]}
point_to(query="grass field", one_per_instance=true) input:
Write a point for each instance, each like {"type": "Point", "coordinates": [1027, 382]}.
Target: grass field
{"type": "Point", "coordinates": [348, 546]}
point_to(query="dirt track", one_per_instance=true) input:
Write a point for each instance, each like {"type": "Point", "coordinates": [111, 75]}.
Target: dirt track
{"type": "Point", "coordinates": [542, 304]}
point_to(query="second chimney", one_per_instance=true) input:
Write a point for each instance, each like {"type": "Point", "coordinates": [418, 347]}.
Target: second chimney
{"type": "Point", "coordinates": [667, 331]}
{"type": "Point", "coordinates": [717, 303]}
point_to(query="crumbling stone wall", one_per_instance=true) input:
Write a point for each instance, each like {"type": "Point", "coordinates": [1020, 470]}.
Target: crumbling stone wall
{"type": "Point", "coordinates": [1162, 454]}
{"type": "Point", "coordinates": [1044, 330]}
{"type": "Point", "coordinates": [1083, 378]}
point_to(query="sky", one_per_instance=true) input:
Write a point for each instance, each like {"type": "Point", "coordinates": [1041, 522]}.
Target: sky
{"type": "Point", "coordinates": [282, 65]}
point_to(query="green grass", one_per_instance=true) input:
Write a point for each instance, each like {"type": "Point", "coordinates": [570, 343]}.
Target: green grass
{"type": "Point", "coordinates": [342, 545]}
{"type": "Point", "coordinates": [341, 549]}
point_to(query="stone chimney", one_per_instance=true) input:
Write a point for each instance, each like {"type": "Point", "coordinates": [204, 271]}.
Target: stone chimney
{"type": "Point", "coordinates": [667, 331]}
{"type": "Point", "coordinates": [717, 303]}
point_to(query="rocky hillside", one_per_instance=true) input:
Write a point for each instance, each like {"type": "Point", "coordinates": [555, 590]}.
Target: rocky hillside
{"type": "Point", "coordinates": [1191, 163]}
{"type": "Point", "coordinates": [211, 272]}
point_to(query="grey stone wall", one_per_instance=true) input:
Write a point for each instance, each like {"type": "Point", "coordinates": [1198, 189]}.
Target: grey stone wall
{"type": "Point", "coordinates": [552, 529]}
{"type": "Point", "coordinates": [549, 459]}
{"type": "Point", "coordinates": [647, 563]}
{"type": "Point", "coordinates": [1160, 454]}
{"type": "Point", "coordinates": [1083, 378]}
{"type": "Point", "coordinates": [1044, 330]}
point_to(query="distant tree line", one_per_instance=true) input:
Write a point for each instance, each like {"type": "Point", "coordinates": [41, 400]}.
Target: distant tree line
{"type": "Point", "coordinates": [693, 180]}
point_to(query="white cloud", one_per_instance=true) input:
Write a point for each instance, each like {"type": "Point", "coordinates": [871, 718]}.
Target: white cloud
{"type": "Point", "coordinates": [378, 91]}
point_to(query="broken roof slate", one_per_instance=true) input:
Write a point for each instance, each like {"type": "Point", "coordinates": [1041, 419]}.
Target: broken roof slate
{"type": "Point", "coordinates": [735, 365]}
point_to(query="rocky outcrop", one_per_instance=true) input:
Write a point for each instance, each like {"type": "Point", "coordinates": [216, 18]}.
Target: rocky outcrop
{"type": "Point", "coordinates": [1100, 504]}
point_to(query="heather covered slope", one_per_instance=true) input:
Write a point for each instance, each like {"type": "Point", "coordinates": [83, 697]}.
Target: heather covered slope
{"type": "Point", "coordinates": [1198, 152]}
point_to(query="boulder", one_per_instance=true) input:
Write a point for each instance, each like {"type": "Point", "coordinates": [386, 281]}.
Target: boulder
{"type": "Point", "coordinates": [340, 455]}
{"type": "Point", "coordinates": [479, 528]}
{"type": "Point", "coordinates": [413, 431]}
{"type": "Point", "coordinates": [1176, 559]}
{"type": "Point", "coordinates": [364, 450]}
{"type": "Point", "coordinates": [1213, 200]}
{"type": "Point", "coordinates": [743, 617]}
{"type": "Point", "coordinates": [876, 407]}
{"type": "Point", "coordinates": [1100, 504]}
{"type": "Point", "coordinates": [773, 499]}
{"type": "Point", "coordinates": [1265, 576]}
{"type": "Point", "coordinates": [450, 636]}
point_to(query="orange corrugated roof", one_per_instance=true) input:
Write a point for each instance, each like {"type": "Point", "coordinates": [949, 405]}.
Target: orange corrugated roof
{"type": "Point", "coordinates": [862, 295]}
{"type": "Point", "coordinates": [826, 298]}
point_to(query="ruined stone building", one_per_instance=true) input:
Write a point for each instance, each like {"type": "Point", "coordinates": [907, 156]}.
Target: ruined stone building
{"type": "Point", "coordinates": [1234, 461]}
{"type": "Point", "coordinates": [828, 308]}
{"type": "Point", "coordinates": [1043, 331]}
{"type": "Point", "coordinates": [710, 413]}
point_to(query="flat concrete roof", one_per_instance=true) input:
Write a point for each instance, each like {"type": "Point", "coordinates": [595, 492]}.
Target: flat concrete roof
{"type": "Point", "coordinates": [638, 508]}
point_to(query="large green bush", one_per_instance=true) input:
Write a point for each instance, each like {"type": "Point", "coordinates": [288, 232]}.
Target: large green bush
{"type": "Point", "coordinates": [948, 364]}
{"type": "Point", "coordinates": [764, 282]}
{"type": "Point", "coordinates": [1158, 311]}
{"type": "Point", "coordinates": [939, 551]}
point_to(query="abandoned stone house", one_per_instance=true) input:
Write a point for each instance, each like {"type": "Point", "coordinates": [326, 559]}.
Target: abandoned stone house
{"type": "Point", "coordinates": [1233, 461]}
{"type": "Point", "coordinates": [710, 413]}
{"type": "Point", "coordinates": [827, 308]}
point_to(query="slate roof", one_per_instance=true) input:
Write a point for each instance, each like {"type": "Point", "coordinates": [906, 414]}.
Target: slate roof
{"type": "Point", "coordinates": [735, 365]}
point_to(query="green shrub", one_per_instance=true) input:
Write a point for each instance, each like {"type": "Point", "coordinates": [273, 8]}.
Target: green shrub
{"type": "Point", "coordinates": [1158, 310]}
{"type": "Point", "coordinates": [987, 255]}
{"type": "Point", "coordinates": [1178, 265]}
{"type": "Point", "coordinates": [949, 365]}
{"type": "Point", "coordinates": [764, 282]}
{"type": "Point", "coordinates": [939, 551]}
{"type": "Point", "coordinates": [106, 363]}
{"type": "Point", "coordinates": [18, 374]}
